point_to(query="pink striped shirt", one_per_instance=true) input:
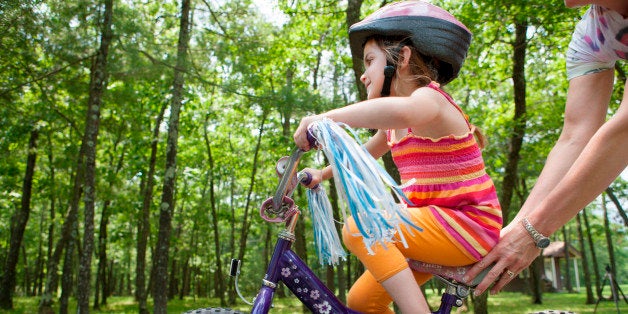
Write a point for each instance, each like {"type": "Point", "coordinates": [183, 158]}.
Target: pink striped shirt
{"type": "Point", "coordinates": [451, 180]}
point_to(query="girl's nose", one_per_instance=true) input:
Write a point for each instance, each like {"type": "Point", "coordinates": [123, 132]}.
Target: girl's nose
{"type": "Point", "coordinates": [363, 78]}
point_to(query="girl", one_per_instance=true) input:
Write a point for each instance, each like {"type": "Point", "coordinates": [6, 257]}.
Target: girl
{"type": "Point", "coordinates": [409, 50]}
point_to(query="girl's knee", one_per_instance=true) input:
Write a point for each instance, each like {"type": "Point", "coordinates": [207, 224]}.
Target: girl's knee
{"type": "Point", "coordinates": [350, 236]}
{"type": "Point", "coordinates": [367, 296]}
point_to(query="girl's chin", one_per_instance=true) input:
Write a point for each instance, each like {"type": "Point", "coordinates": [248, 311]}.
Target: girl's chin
{"type": "Point", "coordinates": [370, 94]}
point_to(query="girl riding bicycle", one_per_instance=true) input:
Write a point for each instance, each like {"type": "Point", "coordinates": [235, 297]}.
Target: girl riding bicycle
{"type": "Point", "coordinates": [410, 49]}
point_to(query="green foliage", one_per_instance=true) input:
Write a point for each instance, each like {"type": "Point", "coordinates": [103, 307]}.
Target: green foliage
{"type": "Point", "coordinates": [246, 68]}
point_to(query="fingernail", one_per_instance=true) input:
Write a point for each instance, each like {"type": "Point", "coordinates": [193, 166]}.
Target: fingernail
{"type": "Point", "coordinates": [465, 279]}
{"type": "Point", "coordinates": [476, 293]}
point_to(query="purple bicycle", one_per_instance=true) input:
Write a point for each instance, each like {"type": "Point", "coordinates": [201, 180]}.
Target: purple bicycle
{"type": "Point", "coordinates": [287, 267]}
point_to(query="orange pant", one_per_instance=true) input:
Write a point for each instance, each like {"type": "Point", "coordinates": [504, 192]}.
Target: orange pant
{"type": "Point", "coordinates": [431, 245]}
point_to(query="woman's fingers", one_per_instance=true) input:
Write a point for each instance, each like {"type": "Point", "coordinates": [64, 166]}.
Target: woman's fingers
{"type": "Point", "coordinates": [514, 252]}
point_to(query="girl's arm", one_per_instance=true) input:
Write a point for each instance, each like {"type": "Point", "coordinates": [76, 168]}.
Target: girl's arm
{"type": "Point", "coordinates": [418, 109]}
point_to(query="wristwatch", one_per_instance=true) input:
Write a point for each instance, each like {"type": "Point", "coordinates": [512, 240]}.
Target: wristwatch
{"type": "Point", "coordinates": [540, 240]}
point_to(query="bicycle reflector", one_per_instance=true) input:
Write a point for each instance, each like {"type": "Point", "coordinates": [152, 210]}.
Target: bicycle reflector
{"type": "Point", "coordinates": [235, 267]}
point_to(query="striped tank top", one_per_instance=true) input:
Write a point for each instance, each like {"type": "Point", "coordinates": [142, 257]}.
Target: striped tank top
{"type": "Point", "coordinates": [450, 179]}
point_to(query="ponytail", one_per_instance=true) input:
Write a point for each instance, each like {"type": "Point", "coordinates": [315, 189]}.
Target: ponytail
{"type": "Point", "coordinates": [479, 137]}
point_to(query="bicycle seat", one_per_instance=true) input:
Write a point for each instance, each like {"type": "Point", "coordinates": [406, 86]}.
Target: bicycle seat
{"type": "Point", "coordinates": [454, 273]}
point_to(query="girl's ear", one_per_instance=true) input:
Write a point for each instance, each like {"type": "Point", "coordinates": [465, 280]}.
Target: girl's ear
{"type": "Point", "coordinates": [404, 56]}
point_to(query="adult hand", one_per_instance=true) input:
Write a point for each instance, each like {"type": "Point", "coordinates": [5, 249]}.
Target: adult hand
{"type": "Point", "coordinates": [514, 253]}
{"type": "Point", "coordinates": [300, 135]}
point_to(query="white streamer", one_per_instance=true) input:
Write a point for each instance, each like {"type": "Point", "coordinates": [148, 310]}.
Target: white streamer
{"type": "Point", "coordinates": [362, 183]}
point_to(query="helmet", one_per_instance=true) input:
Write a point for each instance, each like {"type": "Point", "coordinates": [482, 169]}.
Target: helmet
{"type": "Point", "coordinates": [433, 31]}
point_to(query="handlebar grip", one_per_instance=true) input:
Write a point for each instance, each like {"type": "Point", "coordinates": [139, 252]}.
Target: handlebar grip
{"type": "Point", "coordinates": [307, 179]}
{"type": "Point", "coordinates": [311, 139]}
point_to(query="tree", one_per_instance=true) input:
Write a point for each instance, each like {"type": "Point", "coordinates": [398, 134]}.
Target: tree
{"type": "Point", "coordinates": [585, 262]}
{"type": "Point", "coordinates": [166, 208]}
{"type": "Point", "coordinates": [20, 218]}
{"type": "Point", "coordinates": [567, 242]}
{"type": "Point", "coordinates": [609, 238]}
{"type": "Point", "coordinates": [143, 225]}
{"type": "Point", "coordinates": [596, 268]}
{"type": "Point", "coordinates": [97, 85]}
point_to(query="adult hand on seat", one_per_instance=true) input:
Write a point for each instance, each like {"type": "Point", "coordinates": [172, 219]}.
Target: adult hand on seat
{"type": "Point", "coordinates": [514, 253]}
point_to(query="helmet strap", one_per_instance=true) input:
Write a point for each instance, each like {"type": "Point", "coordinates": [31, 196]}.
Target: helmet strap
{"type": "Point", "coordinates": [389, 71]}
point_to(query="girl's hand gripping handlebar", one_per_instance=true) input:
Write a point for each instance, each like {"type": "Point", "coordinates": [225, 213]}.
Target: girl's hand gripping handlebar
{"type": "Point", "coordinates": [281, 202]}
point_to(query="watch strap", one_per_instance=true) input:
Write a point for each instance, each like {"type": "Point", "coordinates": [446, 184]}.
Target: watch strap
{"type": "Point", "coordinates": [539, 239]}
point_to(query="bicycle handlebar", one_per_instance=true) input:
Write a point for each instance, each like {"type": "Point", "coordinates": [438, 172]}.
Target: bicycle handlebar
{"type": "Point", "coordinates": [289, 171]}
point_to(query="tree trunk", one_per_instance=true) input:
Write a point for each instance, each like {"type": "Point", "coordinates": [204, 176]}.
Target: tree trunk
{"type": "Point", "coordinates": [173, 285]}
{"type": "Point", "coordinates": [352, 17]}
{"type": "Point", "coordinates": [609, 239]}
{"type": "Point", "coordinates": [46, 293]}
{"type": "Point", "coordinates": [160, 284]}
{"type": "Point", "coordinates": [68, 234]}
{"type": "Point", "coordinates": [101, 273]}
{"type": "Point", "coordinates": [39, 271]}
{"type": "Point", "coordinates": [18, 225]}
{"type": "Point", "coordinates": [102, 284]}
{"type": "Point", "coordinates": [232, 236]}
{"type": "Point", "coordinates": [143, 225]}
{"type": "Point", "coordinates": [27, 277]}
{"type": "Point", "coordinates": [585, 262]}
{"type": "Point", "coordinates": [220, 284]}
{"type": "Point", "coordinates": [69, 264]}
{"type": "Point", "coordinates": [480, 303]}
{"type": "Point", "coordinates": [568, 285]}
{"type": "Point", "coordinates": [536, 284]}
{"type": "Point", "coordinates": [516, 138]}
{"type": "Point", "coordinates": [519, 118]}
{"type": "Point", "coordinates": [596, 268]}
{"type": "Point", "coordinates": [98, 82]}
{"type": "Point", "coordinates": [620, 209]}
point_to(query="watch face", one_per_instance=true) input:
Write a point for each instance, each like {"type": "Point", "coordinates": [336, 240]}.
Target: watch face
{"type": "Point", "coordinates": [543, 243]}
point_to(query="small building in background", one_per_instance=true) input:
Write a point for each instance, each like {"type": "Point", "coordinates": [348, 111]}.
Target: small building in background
{"type": "Point", "coordinates": [555, 269]}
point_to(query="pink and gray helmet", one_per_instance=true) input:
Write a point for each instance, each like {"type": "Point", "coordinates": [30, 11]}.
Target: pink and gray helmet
{"type": "Point", "coordinates": [433, 31]}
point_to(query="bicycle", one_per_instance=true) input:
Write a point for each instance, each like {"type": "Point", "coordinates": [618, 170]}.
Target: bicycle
{"type": "Point", "coordinates": [287, 267]}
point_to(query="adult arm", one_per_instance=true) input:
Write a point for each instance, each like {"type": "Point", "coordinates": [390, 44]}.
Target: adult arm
{"type": "Point", "coordinates": [620, 6]}
{"type": "Point", "coordinates": [585, 112]}
{"type": "Point", "coordinates": [601, 161]}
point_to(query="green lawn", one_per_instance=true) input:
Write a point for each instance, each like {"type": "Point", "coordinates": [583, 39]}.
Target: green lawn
{"type": "Point", "coordinates": [505, 302]}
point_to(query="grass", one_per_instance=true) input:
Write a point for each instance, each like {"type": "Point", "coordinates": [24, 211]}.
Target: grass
{"type": "Point", "coordinates": [505, 302]}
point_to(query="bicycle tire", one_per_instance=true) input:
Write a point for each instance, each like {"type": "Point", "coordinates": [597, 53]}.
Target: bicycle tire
{"type": "Point", "coordinates": [211, 310]}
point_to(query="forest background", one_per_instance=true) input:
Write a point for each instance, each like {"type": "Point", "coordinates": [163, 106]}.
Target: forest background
{"type": "Point", "coordinates": [139, 138]}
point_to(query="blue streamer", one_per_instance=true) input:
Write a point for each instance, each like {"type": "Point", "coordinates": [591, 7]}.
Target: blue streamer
{"type": "Point", "coordinates": [328, 246]}
{"type": "Point", "coordinates": [363, 184]}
